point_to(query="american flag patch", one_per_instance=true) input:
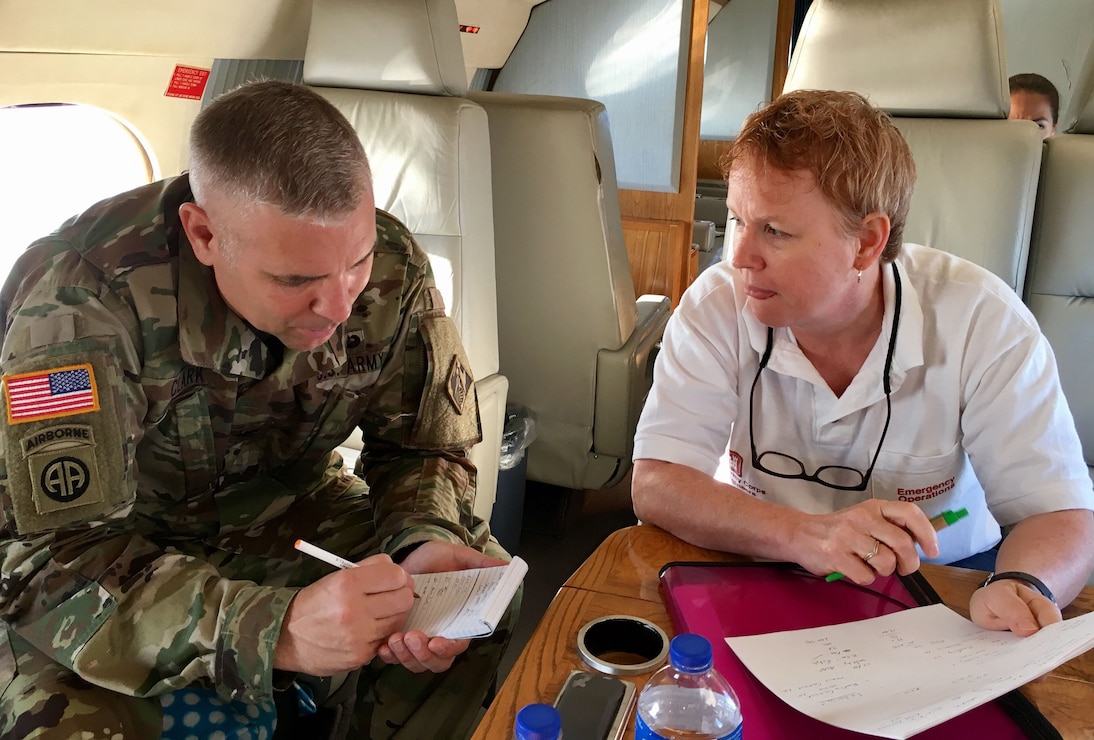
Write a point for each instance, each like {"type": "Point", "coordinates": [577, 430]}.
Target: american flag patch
{"type": "Point", "coordinates": [49, 394]}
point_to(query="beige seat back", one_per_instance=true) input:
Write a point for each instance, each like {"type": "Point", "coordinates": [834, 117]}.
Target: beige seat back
{"type": "Point", "coordinates": [939, 68]}
{"type": "Point", "coordinates": [395, 69]}
{"type": "Point", "coordinates": [574, 341]}
{"type": "Point", "coordinates": [1061, 274]}
{"type": "Point", "coordinates": [1061, 271]}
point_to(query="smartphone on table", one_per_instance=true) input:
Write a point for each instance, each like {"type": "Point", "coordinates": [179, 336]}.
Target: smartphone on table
{"type": "Point", "coordinates": [594, 706]}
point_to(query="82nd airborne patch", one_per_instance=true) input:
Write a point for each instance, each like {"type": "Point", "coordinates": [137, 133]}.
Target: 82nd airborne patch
{"type": "Point", "coordinates": [63, 467]}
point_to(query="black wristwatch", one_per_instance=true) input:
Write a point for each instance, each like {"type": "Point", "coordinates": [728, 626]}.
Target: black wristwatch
{"type": "Point", "coordinates": [1025, 578]}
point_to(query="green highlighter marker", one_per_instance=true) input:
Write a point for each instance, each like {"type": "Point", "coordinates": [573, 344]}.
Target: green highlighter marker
{"type": "Point", "coordinates": [943, 520]}
{"type": "Point", "coordinates": [946, 518]}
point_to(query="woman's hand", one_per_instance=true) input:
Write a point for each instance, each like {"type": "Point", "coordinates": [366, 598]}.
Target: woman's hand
{"type": "Point", "coordinates": [866, 540]}
{"type": "Point", "coordinates": [1012, 605]}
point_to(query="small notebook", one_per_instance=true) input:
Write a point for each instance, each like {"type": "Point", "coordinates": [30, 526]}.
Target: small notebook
{"type": "Point", "coordinates": [462, 604]}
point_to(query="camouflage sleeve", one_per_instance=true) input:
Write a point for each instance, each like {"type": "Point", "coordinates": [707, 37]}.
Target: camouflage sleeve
{"type": "Point", "coordinates": [422, 419]}
{"type": "Point", "coordinates": [77, 581]}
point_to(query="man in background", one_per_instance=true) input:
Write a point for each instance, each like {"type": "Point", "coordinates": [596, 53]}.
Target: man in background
{"type": "Point", "coordinates": [1035, 98]}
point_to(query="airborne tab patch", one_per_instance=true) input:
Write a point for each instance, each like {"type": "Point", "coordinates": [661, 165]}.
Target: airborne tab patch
{"type": "Point", "coordinates": [51, 394]}
{"type": "Point", "coordinates": [459, 384]}
{"type": "Point", "coordinates": [63, 468]}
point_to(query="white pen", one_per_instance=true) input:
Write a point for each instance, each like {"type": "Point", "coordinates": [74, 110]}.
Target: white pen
{"type": "Point", "coordinates": [320, 554]}
{"type": "Point", "coordinates": [327, 557]}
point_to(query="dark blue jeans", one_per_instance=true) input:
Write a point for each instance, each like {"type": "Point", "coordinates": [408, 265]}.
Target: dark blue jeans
{"type": "Point", "coordinates": [980, 561]}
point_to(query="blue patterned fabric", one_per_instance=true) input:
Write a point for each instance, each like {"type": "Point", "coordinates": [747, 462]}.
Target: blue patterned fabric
{"type": "Point", "coordinates": [199, 714]}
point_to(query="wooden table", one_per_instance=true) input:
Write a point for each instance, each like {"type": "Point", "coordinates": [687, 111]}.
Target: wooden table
{"type": "Point", "coordinates": [621, 578]}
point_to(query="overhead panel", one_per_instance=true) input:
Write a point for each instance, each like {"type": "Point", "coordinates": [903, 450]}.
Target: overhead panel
{"type": "Point", "coordinates": [240, 29]}
{"type": "Point", "coordinates": [243, 29]}
{"type": "Point", "coordinates": [499, 25]}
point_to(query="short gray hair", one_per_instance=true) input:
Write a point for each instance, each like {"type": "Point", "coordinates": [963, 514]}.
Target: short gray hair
{"type": "Point", "coordinates": [279, 144]}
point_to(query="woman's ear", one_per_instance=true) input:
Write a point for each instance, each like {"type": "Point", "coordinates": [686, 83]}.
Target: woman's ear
{"type": "Point", "coordinates": [873, 235]}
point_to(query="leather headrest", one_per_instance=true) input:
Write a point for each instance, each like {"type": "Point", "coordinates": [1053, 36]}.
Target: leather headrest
{"type": "Point", "coordinates": [395, 45]}
{"type": "Point", "coordinates": [928, 58]}
{"type": "Point", "coordinates": [1079, 117]}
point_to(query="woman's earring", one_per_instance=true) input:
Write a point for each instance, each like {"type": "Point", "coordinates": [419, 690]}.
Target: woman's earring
{"type": "Point", "coordinates": [859, 277]}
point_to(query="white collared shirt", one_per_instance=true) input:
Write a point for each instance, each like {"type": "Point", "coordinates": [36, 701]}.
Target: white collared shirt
{"type": "Point", "coordinates": [976, 403]}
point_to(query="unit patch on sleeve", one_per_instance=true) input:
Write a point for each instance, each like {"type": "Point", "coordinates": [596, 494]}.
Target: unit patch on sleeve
{"type": "Point", "coordinates": [459, 384]}
{"type": "Point", "coordinates": [66, 455]}
{"type": "Point", "coordinates": [50, 394]}
{"type": "Point", "coordinates": [448, 413]}
{"type": "Point", "coordinates": [63, 467]}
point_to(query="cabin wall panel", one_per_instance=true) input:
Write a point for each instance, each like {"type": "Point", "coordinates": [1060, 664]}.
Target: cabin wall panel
{"type": "Point", "coordinates": [740, 63]}
{"type": "Point", "coordinates": [129, 87]}
{"type": "Point", "coordinates": [659, 253]}
{"type": "Point", "coordinates": [228, 74]}
{"type": "Point", "coordinates": [630, 55]}
{"type": "Point", "coordinates": [672, 212]}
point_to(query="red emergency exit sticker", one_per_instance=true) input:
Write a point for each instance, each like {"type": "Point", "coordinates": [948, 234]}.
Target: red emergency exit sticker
{"type": "Point", "coordinates": [187, 82]}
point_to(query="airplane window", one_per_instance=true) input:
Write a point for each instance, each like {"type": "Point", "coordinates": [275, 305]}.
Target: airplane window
{"type": "Point", "coordinates": [55, 161]}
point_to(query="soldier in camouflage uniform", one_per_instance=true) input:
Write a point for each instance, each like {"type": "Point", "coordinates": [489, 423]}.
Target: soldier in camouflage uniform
{"type": "Point", "coordinates": [179, 363]}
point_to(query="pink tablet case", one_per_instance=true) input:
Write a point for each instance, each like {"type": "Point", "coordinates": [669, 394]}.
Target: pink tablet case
{"type": "Point", "coordinates": [719, 600]}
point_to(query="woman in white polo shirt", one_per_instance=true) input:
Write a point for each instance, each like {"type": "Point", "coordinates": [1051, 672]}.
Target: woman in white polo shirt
{"type": "Point", "coordinates": [824, 395]}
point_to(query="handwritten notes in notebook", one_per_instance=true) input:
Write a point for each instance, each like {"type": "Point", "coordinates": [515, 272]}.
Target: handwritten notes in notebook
{"type": "Point", "coordinates": [900, 674]}
{"type": "Point", "coordinates": [464, 603]}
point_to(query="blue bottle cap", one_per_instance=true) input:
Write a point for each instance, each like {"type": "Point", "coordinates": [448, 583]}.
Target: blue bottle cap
{"type": "Point", "coordinates": [538, 722]}
{"type": "Point", "coordinates": [691, 653]}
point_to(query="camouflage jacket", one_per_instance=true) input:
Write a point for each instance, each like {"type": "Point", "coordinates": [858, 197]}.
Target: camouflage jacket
{"type": "Point", "coordinates": [147, 423]}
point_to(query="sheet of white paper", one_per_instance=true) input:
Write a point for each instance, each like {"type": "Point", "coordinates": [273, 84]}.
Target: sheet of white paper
{"type": "Point", "coordinates": [900, 674]}
{"type": "Point", "coordinates": [464, 603]}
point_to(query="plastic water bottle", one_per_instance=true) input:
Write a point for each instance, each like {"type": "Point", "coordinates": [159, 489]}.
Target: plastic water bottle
{"type": "Point", "coordinates": [688, 699]}
{"type": "Point", "coordinates": [538, 722]}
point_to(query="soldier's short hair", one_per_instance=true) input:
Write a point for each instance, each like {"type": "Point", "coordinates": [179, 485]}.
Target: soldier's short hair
{"type": "Point", "coordinates": [279, 144]}
{"type": "Point", "coordinates": [860, 161]}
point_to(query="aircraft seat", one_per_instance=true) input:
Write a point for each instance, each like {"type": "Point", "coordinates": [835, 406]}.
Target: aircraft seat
{"type": "Point", "coordinates": [707, 242]}
{"type": "Point", "coordinates": [575, 342]}
{"type": "Point", "coordinates": [1061, 274]}
{"type": "Point", "coordinates": [395, 69]}
{"type": "Point", "coordinates": [939, 68]}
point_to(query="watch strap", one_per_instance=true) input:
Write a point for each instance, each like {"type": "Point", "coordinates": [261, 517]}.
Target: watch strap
{"type": "Point", "coordinates": [1026, 578]}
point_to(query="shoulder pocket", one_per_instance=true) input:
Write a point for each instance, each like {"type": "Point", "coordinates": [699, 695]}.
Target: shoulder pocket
{"type": "Point", "coordinates": [64, 447]}
{"type": "Point", "coordinates": [448, 415]}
